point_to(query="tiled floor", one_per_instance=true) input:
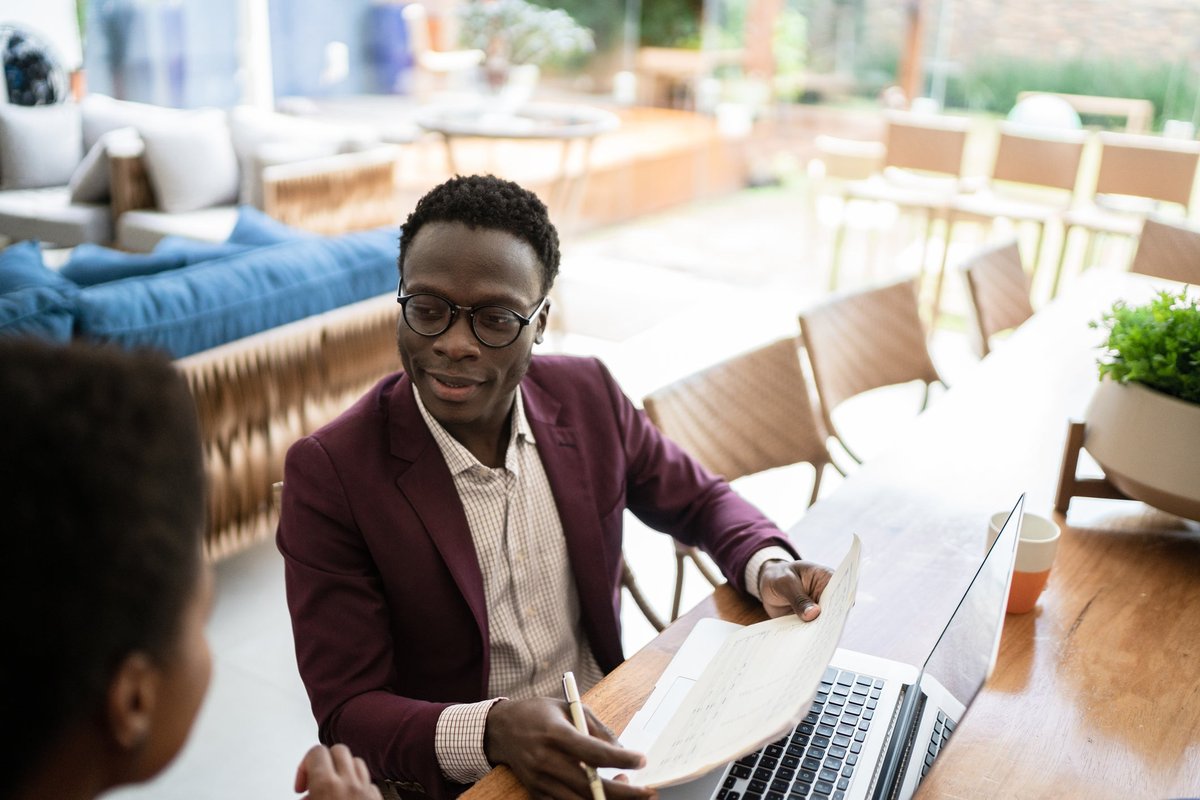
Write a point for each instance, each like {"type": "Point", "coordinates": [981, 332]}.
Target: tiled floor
{"type": "Point", "coordinates": [656, 300]}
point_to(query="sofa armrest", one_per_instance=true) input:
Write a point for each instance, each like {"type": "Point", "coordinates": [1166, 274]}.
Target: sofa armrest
{"type": "Point", "coordinates": [257, 395]}
{"type": "Point", "coordinates": [335, 194]}
{"type": "Point", "coordinates": [130, 184]}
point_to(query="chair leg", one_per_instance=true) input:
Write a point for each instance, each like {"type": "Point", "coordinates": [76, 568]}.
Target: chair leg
{"type": "Point", "coordinates": [1062, 257]}
{"type": "Point", "coordinates": [635, 591]}
{"type": "Point", "coordinates": [935, 307]}
{"type": "Point", "coordinates": [818, 473]}
{"type": "Point", "coordinates": [705, 569]}
{"type": "Point", "coordinates": [680, 565]}
{"type": "Point", "coordinates": [1037, 250]}
{"type": "Point", "coordinates": [839, 239]}
{"type": "Point", "coordinates": [925, 397]}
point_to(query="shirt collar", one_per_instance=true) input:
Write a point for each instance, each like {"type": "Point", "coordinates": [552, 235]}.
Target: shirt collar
{"type": "Point", "coordinates": [458, 458]}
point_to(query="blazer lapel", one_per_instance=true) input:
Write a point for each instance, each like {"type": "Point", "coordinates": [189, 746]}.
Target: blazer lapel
{"type": "Point", "coordinates": [575, 500]}
{"type": "Point", "coordinates": [426, 483]}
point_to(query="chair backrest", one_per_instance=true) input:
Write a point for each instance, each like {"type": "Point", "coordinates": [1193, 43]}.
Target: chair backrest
{"type": "Point", "coordinates": [925, 142]}
{"type": "Point", "coordinates": [1168, 251]}
{"type": "Point", "coordinates": [865, 340]}
{"type": "Point", "coordinates": [999, 289]}
{"type": "Point", "coordinates": [1038, 157]}
{"type": "Point", "coordinates": [744, 415]}
{"type": "Point", "coordinates": [1147, 166]}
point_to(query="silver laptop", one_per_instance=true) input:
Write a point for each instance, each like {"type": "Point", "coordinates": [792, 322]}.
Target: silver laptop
{"type": "Point", "coordinates": [875, 726]}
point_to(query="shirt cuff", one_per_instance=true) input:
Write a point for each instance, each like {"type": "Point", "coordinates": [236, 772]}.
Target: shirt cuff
{"type": "Point", "coordinates": [755, 565]}
{"type": "Point", "coordinates": [458, 741]}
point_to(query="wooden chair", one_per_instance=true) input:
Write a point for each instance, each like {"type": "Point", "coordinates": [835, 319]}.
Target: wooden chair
{"type": "Point", "coordinates": [1168, 251]}
{"type": "Point", "coordinates": [742, 416]}
{"type": "Point", "coordinates": [1033, 180]}
{"type": "Point", "coordinates": [863, 341]}
{"type": "Point", "coordinates": [999, 289]}
{"type": "Point", "coordinates": [922, 165]}
{"type": "Point", "coordinates": [1137, 175]}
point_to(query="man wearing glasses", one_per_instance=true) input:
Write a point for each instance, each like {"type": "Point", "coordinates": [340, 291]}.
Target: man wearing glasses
{"type": "Point", "coordinates": [452, 542]}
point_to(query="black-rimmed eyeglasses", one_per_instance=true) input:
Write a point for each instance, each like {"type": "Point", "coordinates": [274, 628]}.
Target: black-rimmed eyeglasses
{"type": "Point", "coordinates": [494, 326]}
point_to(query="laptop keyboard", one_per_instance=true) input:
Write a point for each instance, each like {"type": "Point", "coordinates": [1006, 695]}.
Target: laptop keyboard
{"type": "Point", "coordinates": [819, 757]}
{"type": "Point", "coordinates": [941, 733]}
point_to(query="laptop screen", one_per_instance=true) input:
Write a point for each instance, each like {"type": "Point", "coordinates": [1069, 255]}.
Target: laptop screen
{"type": "Point", "coordinates": [963, 656]}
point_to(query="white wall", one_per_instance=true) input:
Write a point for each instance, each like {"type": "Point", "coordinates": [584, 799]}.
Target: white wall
{"type": "Point", "coordinates": [53, 21]}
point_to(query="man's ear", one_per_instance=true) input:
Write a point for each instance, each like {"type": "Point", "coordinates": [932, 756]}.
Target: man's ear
{"type": "Point", "coordinates": [543, 321]}
{"type": "Point", "coordinates": [132, 698]}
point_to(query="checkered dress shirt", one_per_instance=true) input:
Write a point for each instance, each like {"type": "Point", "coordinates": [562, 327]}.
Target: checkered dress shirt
{"type": "Point", "coordinates": [533, 607]}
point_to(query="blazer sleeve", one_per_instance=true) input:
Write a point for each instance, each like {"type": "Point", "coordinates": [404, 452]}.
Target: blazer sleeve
{"type": "Point", "coordinates": [340, 619]}
{"type": "Point", "coordinates": [671, 492]}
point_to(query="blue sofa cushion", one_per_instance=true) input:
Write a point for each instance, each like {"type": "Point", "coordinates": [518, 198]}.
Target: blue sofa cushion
{"type": "Point", "coordinates": [194, 251]}
{"type": "Point", "coordinates": [256, 227]}
{"type": "Point", "coordinates": [21, 265]}
{"type": "Point", "coordinates": [91, 264]}
{"type": "Point", "coordinates": [42, 311]}
{"type": "Point", "coordinates": [198, 307]}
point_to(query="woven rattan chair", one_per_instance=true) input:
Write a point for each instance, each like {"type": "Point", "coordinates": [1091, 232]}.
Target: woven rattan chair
{"type": "Point", "coordinates": [922, 165]}
{"type": "Point", "coordinates": [999, 289]}
{"type": "Point", "coordinates": [1138, 175]}
{"type": "Point", "coordinates": [1033, 181]}
{"type": "Point", "coordinates": [742, 416]}
{"type": "Point", "coordinates": [1168, 251]}
{"type": "Point", "coordinates": [863, 341]}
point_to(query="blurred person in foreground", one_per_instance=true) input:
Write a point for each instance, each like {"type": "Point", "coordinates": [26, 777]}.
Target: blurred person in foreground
{"type": "Point", "coordinates": [452, 542]}
{"type": "Point", "coordinates": [104, 593]}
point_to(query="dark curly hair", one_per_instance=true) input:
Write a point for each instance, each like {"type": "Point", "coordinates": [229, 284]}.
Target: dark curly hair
{"type": "Point", "coordinates": [485, 201]}
{"type": "Point", "coordinates": [102, 486]}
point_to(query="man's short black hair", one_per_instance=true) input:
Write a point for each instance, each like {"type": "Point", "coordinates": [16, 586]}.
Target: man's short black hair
{"type": "Point", "coordinates": [102, 497]}
{"type": "Point", "coordinates": [485, 201]}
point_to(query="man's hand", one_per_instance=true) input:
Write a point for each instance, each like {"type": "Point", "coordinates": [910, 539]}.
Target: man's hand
{"type": "Point", "coordinates": [536, 739]}
{"type": "Point", "coordinates": [335, 774]}
{"type": "Point", "coordinates": [793, 587]}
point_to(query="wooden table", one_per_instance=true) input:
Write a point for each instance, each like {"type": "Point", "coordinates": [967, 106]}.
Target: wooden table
{"type": "Point", "coordinates": [1096, 693]}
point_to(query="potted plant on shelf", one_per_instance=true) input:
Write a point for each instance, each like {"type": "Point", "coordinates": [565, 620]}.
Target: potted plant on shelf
{"type": "Point", "coordinates": [1143, 424]}
{"type": "Point", "coordinates": [519, 37]}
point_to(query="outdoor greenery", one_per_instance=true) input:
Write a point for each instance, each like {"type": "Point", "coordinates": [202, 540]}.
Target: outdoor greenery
{"type": "Point", "coordinates": [993, 84]}
{"type": "Point", "coordinates": [523, 33]}
{"type": "Point", "coordinates": [1157, 344]}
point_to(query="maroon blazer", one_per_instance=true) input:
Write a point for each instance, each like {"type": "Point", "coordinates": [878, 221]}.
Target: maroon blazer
{"type": "Point", "coordinates": [383, 582]}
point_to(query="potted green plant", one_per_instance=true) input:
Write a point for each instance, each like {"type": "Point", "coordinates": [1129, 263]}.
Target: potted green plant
{"type": "Point", "coordinates": [1143, 424]}
{"type": "Point", "coordinates": [519, 37]}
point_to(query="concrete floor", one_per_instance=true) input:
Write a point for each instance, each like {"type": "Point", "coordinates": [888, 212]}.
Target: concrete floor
{"type": "Point", "coordinates": [656, 299]}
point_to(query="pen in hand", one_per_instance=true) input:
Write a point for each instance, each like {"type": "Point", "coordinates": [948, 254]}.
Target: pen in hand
{"type": "Point", "coordinates": [571, 692]}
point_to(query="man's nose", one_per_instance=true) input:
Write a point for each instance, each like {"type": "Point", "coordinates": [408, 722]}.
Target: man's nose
{"type": "Point", "coordinates": [458, 341]}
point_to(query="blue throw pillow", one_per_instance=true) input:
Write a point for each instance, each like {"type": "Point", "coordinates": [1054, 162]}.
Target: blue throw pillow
{"type": "Point", "coordinates": [90, 264]}
{"type": "Point", "coordinates": [42, 311]}
{"type": "Point", "coordinates": [205, 305]}
{"type": "Point", "coordinates": [21, 265]}
{"type": "Point", "coordinates": [193, 251]}
{"type": "Point", "coordinates": [255, 227]}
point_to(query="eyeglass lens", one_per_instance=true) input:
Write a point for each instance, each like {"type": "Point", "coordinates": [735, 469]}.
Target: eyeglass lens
{"type": "Point", "coordinates": [430, 315]}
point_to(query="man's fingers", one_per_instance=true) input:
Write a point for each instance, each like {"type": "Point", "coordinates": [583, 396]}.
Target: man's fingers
{"type": "Point", "coordinates": [805, 608]}
{"type": "Point", "coordinates": [598, 728]}
{"type": "Point", "coordinates": [343, 760]}
{"type": "Point", "coordinates": [360, 769]}
{"type": "Point", "coordinates": [315, 762]}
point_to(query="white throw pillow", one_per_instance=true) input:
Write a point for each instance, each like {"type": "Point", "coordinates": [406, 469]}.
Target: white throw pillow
{"type": "Point", "coordinates": [102, 114]}
{"type": "Point", "coordinates": [90, 181]}
{"type": "Point", "coordinates": [190, 161]}
{"type": "Point", "coordinates": [39, 145]}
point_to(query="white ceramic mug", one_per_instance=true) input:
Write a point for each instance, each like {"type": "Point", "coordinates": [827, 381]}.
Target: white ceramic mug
{"type": "Point", "coordinates": [1035, 556]}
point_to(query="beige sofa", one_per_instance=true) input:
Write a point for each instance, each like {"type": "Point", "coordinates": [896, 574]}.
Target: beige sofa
{"type": "Point", "coordinates": [111, 171]}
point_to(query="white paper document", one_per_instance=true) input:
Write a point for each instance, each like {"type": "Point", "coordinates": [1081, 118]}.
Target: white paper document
{"type": "Point", "coordinates": [761, 682]}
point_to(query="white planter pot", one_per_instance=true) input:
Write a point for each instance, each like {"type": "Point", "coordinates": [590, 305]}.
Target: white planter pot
{"type": "Point", "coordinates": [1148, 444]}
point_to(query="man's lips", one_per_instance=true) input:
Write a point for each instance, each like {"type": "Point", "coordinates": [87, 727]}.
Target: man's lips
{"type": "Point", "coordinates": [453, 388]}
